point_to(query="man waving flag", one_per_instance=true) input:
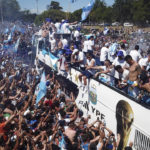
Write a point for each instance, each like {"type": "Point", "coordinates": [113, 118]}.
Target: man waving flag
{"type": "Point", "coordinates": [87, 10]}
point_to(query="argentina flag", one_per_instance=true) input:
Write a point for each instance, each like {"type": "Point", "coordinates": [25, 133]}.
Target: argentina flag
{"type": "Point", "coordinates": [6, 31]}
{"type": "Point", "coordinates": [17, 45]}
{"type": "Point", "coordinates": [86, 10]}
{"type": "Point", "coordinates": [53, 61]}
{"type": "Point", "coordinates": [13, 29]}
{"type": "Point", "coordinates": [42, 88]}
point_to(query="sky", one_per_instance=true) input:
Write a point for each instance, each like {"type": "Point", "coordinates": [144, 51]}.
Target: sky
{"type": "Point", "coordinates": [67, 6]}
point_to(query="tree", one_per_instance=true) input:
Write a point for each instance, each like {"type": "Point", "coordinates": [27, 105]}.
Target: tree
{"type": "Point", "coordinates": [97, 14]}
{"type": "Point", "coordinates": [76, 15]}
{"type": "Point", "coordinates": [52, 13]}
{"type": "Point", "coordinates": [141, 12]}
{"type": "Point", "coordinates": [123, 10]}
{"type": "Point", "coordinates": [54, 5]}
{"type": "Point", "coordinates": [27, 16]}
{"type": "Point", "coordinates": [9, 9]}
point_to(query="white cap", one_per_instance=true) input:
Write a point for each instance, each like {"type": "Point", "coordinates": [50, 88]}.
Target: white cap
{"type": "Point", "coordinates": [144, 63]}
{"type": "Point", "coordinates": [75, 51]}
{"type": "Point", "coordinates": [26, 112]}
{"type": "Point", "coordinates": [106, 44]}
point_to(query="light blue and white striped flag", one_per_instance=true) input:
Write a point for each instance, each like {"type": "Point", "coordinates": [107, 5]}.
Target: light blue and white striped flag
{"type": "Point", "coordinates": [54, 61]}
{"type": "Point", "coordinates": [13, 29]}
{"type": "Point", "coordinates": [9, 37]}
{"type": "Point", "coordinates": [42, 88]}
{"type": "Point", "coordinates": [86, 10]}
{"type": "Point", "coordinates": [17, 45]}
{"type": "Point", "coordinates": [6, 31]}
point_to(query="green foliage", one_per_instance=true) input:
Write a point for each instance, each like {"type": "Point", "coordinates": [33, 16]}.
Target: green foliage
{"type": "Point", "coordinates": [54, 5]}
{"type": "Point", "coordinates": [53, 14]}
{"type": "Point", "coordinates": [136, 11]}
{"type": "Point", "coordinates": [141, 11]}
{"type": "Point", "coordinates": [27, 16]}
{"type": "Point", "coordinates": [76, 15]}
{"type": "Point", "coordinates": [9, 9]}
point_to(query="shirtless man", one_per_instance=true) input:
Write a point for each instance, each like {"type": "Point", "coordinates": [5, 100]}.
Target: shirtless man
{"type": "Point", "coordinates": [134, 72]}
{"type": "Point", "coordinates": [70, 132]}
{"type": "Point", "coordinates": [134, 69]}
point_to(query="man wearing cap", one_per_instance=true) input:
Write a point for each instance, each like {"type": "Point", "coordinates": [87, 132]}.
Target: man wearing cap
{"type": "Point", "coordinates": [119, 61]}
{"type": "Point", "coordinates": [123, 49]}
{"type": "Point", "coordinates": [104, 53]}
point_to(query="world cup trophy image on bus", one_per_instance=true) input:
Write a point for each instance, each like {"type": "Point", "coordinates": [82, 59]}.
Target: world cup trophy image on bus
{"type": "Point", "coordinates": [125, 118]}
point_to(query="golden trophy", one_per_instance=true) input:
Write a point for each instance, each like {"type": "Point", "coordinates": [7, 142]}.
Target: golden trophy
{"type": "Point", "coordinates": [125, 118]}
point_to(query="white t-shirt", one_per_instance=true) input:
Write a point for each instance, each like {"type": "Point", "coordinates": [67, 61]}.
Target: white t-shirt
{"type": "Point", "coordinates": [64, 42]}
{"type": "Point", "coordinates": [117, 61]}
{"type": "Point", "coordinates": [62, 62]}
{"type": "Point", "coordinates": [65, 28]}
{"type": "Point", "coordinates": [124, 75]}
{"type": "Point", "coordinates": [40, 32]}
{"type": "Point", "coordinates": [81, 56]}
{"type": "Point", "coordinates": [90, 44]}
{"type": "Point", "coordinates": [143, 62]}
{"type": "Point", "coordinates": [136, 56]}
{"type": "Point", "coordinates": [122, 63]}
{"type": "Point", "coordinates": [53, 43]}
{"type": "Point", "coordinates": [57, 25]}
{"type": "Point", "coordinates": [77, 35]}
{"type": "Point", "coordinates": [85, 48]}
{"type": "Point", "coordinates": [104, 53]}
{"type": "Point", "coordinates": [89, 62]}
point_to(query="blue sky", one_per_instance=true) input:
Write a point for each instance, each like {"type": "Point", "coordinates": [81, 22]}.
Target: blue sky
{"type": "Point", "coordinates": [67, 6]}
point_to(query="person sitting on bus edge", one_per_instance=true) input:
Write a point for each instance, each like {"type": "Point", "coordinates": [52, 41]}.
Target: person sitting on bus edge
{"type": "Point", "coordinates": [88, 73]}
{"type": "Point", "coordinates": [106, 72]}
{"type": "Point", "coordinates": [134, 72]}
{"type": "Point", "coordinates": [123, 78]}
{"type": "Point", "coordinates": [78, 59]}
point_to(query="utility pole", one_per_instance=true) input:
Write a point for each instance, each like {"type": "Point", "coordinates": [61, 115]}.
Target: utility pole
{"type": "Point", "coordinates": [1, 7]}
{"type": "Point", "coordinates": [37, 4]}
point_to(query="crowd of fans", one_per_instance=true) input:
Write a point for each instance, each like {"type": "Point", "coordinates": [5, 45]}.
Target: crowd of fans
{"type": "Point", "coordinates": [56, 122]}
{"type": "Point", "coordinates": [115, 57]}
